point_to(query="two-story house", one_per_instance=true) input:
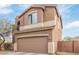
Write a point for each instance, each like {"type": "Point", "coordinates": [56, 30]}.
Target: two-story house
{"type": "Point", "coordinates": [38, 29]}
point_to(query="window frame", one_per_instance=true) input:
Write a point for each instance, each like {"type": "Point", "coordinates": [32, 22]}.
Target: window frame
{"type": "Point", "coordinates": [31, 19]}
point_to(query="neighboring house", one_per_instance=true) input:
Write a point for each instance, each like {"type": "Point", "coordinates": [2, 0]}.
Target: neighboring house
{"type": "Point", "coordinates": [38, 29]}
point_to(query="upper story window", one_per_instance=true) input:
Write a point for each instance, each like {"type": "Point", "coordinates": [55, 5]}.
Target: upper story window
{"type": "Point", "coordinates": [33, 18]}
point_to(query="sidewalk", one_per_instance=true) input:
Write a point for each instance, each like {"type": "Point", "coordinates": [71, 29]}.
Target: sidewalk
{"type": "Point", "coordinates": [66, 53]}
{"type": "Point", "coordinates": [19, 53]}
{"type": "Point", "coordinates": [29, 53]}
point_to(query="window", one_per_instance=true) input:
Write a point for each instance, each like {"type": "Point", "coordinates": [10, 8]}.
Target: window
{"type": "Point", "coordinates": [18, 24]}
{"type": "Point", "coordinates": [33, 18]}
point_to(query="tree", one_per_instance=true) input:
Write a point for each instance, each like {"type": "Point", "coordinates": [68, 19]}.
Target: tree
{"type": "Point", "coordinates": [67, 38]}
{"type": "Point", "coordinates": [4, 26]}
{"type": "Point", "coordinates": [2, 39]}
{"type": "Point", "coordinates": [13, 27]}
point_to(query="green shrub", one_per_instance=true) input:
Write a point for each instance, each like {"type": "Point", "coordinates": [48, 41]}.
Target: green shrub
{"type": "Point", "coordinates": [8, 46]}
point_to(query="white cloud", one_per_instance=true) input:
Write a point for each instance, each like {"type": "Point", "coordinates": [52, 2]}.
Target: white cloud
{"type": "Point", "coordinates": [65, 9]}
{"type": "Point", "coordinates": [5, 9]}
{"type": "Point", "coordinates": [4, 5]}
{"type": "Point", "coordinates": [74, 24]}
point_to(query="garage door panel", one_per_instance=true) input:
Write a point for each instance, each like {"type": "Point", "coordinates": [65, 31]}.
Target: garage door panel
{"type": "Point", "coordinates": [34, 44]}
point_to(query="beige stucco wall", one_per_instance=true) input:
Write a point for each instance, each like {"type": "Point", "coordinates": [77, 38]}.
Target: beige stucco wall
{"type": "Point", "coordinates": [24, 19]}
{"type": "Point", "coordinates": [41, 32]}
{"type": "Point", "coordinates": [57, 31]}
{"type": "Point", "coordinates": [49, 14]}
{"type": "Point", "coordinates": [44, 15]}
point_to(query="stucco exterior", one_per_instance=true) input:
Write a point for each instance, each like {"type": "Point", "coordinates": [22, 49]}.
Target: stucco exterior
{"type": "Point", "coordinates": [48, 29]}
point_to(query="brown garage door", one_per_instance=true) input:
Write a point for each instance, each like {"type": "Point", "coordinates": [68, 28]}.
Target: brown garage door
{"type": "Point", "coordinates": [34, 44]}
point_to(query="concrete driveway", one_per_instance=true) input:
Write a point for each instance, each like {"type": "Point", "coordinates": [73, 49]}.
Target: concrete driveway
{"type": "Point", "coordinates": [19, 53]}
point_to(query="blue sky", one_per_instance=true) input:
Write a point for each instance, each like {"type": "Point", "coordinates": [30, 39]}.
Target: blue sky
{"type": "Point", "coordinates": [70, 16]}
{"type": "Point", "coordinates": [69, 13]}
